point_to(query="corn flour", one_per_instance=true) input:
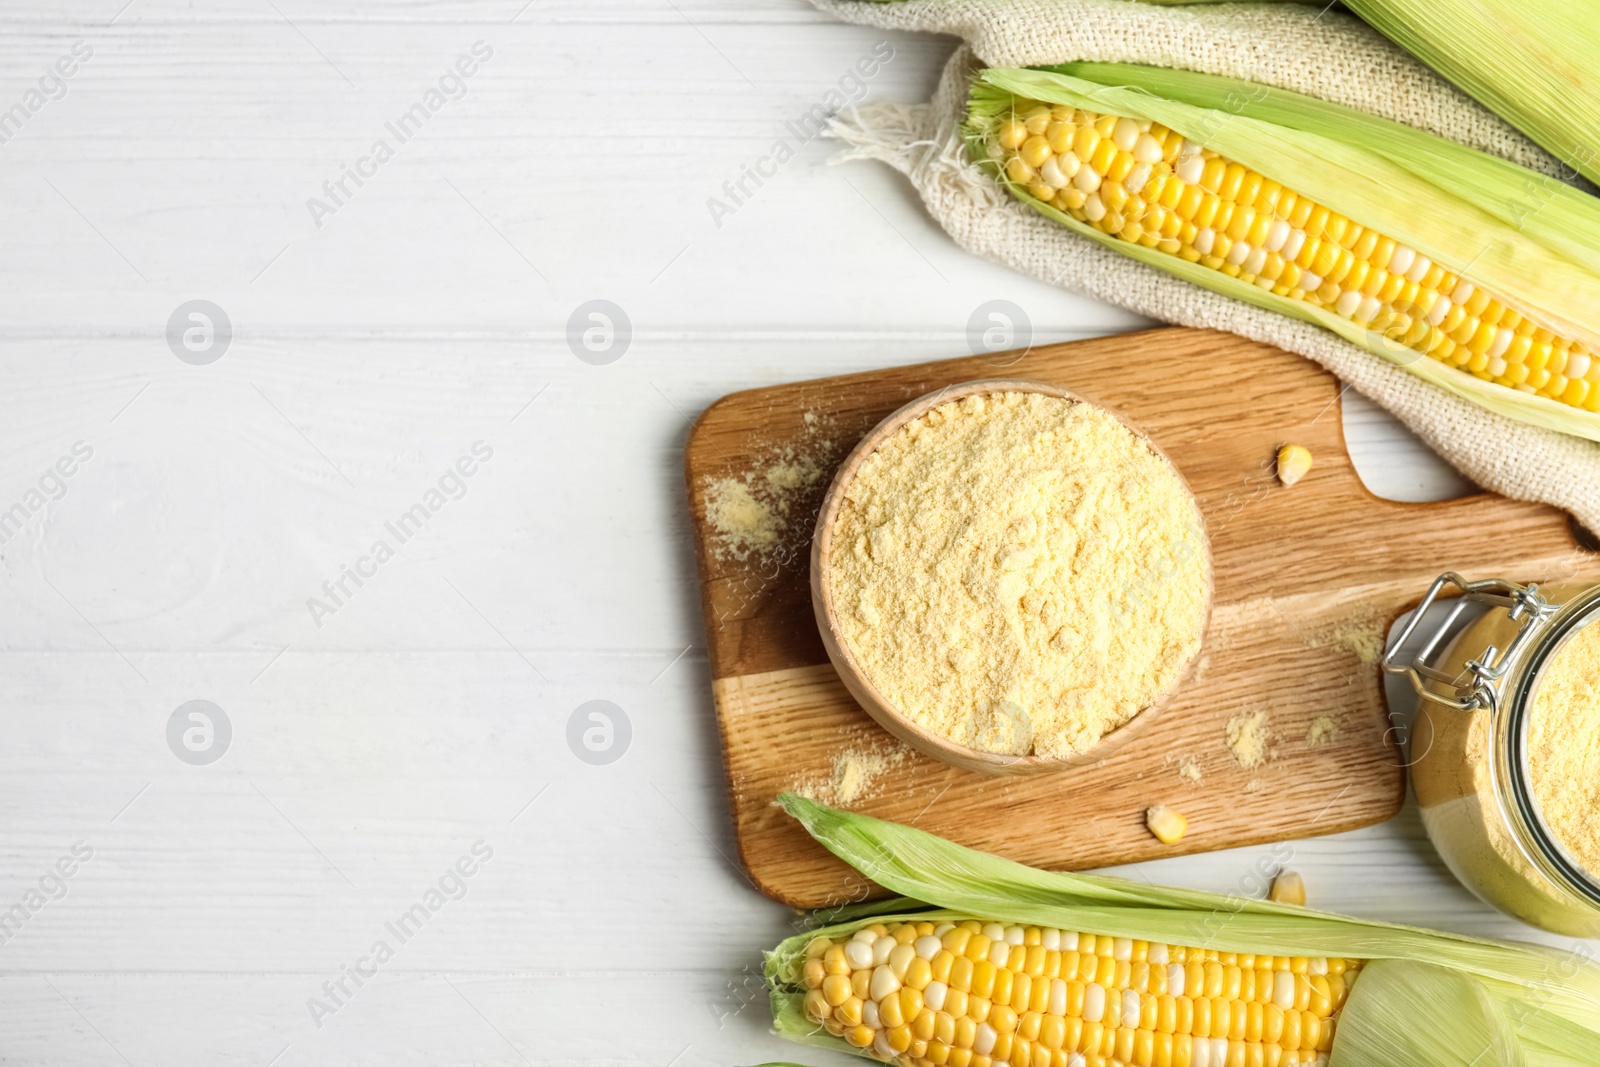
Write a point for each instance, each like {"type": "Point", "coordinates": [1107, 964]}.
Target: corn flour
{"type": "Point", "coordinates": [1563, 755]}
{"type": "Point", "coordinates": [1020, 573]}
{"type": "Point", "coordinates": [1452, 754]}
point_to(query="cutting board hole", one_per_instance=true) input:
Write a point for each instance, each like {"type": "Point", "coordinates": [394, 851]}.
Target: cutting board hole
{"type": "Point", "coordinates": [1392, 462]}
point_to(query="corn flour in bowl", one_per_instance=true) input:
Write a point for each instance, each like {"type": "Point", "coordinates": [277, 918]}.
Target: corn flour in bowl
{"type": "Point", "coordinates": [1010, 578]}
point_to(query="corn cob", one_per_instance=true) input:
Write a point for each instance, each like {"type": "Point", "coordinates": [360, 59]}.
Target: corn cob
{"type": "Point", "coordinates": [973, 994]}
{"type": "Point", "coordinates": [914, 980]}
{"type": "Point", "coordinates": [1145, 184]}
{"type": "Point", "coordinates": [1429, 225]}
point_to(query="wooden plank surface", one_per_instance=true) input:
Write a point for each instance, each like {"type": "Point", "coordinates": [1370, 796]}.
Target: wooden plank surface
{"type": "Point", "coordinates": [409, 325]}
{"type": "Point", "coordinates": [1307, 581]}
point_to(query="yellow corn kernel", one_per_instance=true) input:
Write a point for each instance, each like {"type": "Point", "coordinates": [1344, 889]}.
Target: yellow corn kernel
{"type": "Point", "coordinates": [1167, 824]}
{"type": "Point", "coordinates": [1084, 142]}
{"type": "Point", "coordinates": [1011, 134]}
{"type": "Point", "coordinates": [889, 1012]}
{"type": "Point", "coordinates": [1019, 171]}
{"type": "Point", "coordinates": [1288, 887]}
{"type": "Point", "coordinates": [1294, 462]}
{"type": "Point", "coordinates": [861, 983]}
{"type": "Point", "coordinates": [1059, 136]}
{"type": "Point", "coordinates": [982, 978]}
{"type": "Point", "coordinates": [1035, 150]}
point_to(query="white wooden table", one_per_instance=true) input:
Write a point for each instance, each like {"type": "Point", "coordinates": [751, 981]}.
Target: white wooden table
{"type": "Point", "coordinates": [374, 341]}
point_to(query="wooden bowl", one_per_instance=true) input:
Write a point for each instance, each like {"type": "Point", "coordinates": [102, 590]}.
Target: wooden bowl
{"type": "Point", "coordinates": [856, 679]}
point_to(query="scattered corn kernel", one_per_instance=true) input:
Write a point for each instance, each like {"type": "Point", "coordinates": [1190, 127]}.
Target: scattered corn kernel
{"type": "Point", "coordinates": [1289, 888]}
{"type": "Point", "coordinates": [1165, 823]}
{"type": "Point", "coordinates": [1293, 463]}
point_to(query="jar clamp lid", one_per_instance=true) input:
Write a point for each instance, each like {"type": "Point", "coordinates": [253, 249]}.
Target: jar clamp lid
{"type": "Point", "coordinates": [1524, 605]}
{"type": "Point", "coordinates": [1502, 682]}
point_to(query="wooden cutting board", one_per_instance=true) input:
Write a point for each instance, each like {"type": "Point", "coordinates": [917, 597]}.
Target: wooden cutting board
{"type": "Point", "coordinates": [1307, 581]}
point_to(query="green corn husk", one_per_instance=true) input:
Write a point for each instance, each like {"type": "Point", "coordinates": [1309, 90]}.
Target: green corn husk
{"type": "Point", "coordinates": [1530, 240]}
{"type": "Point", "coordinates": [1532, 62]}
{"type": "Point", "coordinates": [1427, 1000]}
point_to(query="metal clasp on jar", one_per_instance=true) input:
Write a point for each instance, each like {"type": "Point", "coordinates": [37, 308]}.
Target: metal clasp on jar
{"type": "Point", "coordinates": [1479, 687]}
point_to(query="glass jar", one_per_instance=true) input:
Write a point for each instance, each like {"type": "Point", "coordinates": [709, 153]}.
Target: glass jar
{"type": "Point", "coordinates": [1470, 760]}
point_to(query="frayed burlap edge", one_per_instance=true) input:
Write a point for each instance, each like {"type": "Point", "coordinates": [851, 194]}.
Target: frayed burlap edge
{"type": "Point", "coordinates": [923, 142]}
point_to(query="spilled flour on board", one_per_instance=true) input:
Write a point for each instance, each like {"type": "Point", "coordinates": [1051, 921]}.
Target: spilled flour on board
{"type": "Point", "coordinates": [743, 523]}
{"type": "Point", "coordinates": [1187, 767]}
{"type": "Point", "coordinates": [1248, 739]}
{"type": "Point", "coordinates": [1360, 634]}
{"type": "Point", "coordinates": [854, 776]}
{"type": "Point", "coordinates": [757, 513]}
{"type": "Point", "coordinates": [1324, 731]}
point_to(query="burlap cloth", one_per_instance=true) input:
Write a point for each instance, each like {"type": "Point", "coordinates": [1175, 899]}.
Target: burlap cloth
{"type": "Point", "coordinates": [1289, 46]}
